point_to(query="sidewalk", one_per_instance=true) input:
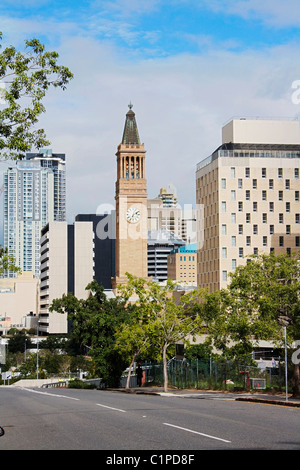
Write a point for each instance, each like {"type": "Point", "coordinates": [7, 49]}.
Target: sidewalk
{"type": "Point", "coordinates": [246, 396]}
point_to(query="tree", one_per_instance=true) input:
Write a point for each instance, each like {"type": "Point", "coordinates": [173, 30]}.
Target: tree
{"type": "Point", "coordinates": [133, 338]}
{"type": "Point", "coordinates": [168, 321]}
{"type": "Point", "coordinates": [25, 78]}
{"type": "Point", "coordinates": [7, 262]}
{"type": "Point", "coordinates": [261, 295]}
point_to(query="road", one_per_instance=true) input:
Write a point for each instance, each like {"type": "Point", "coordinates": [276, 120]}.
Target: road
{"type": "Point", "coordinates": [68, 419]}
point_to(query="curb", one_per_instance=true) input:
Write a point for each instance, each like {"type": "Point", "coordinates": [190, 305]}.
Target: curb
{"type": "Point", "coordinates": [267, 401]}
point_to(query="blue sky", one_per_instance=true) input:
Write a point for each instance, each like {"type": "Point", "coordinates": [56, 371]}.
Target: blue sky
{"type": "Point", "coordinates": [188, 66]}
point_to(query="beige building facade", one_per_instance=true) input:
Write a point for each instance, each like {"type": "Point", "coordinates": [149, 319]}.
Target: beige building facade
{"type": "Point", "coordinates": [248, 190]}
{"type": "Point", "coordinates": [67, 265]}
{"type": "Point", "coordinates": [19, 302]}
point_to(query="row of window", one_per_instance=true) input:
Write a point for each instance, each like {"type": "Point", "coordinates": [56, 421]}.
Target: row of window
{"type": "Point", "coordinates": [263, 196]}
{"type": "Point", "coordinates": [264, 172]}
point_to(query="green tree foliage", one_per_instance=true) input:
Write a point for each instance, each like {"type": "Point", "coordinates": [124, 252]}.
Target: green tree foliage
{"type": "Point", "coordinates": [163, 319]}
{"type": "Point", "coordinates": [19, 342]}
{"type": "Point", "coordinates": [7, 262]}
{"type": "Point", "coordinates": [94, 322]}
{"type": "Point", "coordinates": [263, 295]}
{"type": "Point", "coordinates": [25, 78]}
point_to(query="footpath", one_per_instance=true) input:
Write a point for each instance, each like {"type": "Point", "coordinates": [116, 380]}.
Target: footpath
{"type": "Point", "coordinates": [254, 397]}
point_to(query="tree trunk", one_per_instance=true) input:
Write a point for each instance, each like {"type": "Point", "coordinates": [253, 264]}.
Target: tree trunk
{"type": "Point", "coordinates": [296, 381]}
{"type": "Point", "coordinates": [165, 368]}
{"type": "Point", "coordinates": [129, 372]}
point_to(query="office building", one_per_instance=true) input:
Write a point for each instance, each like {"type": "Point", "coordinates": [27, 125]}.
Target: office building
{"type": "Point", "coordinates": [249, 191]}
{"type": "Point", "coordinates": [160, 245]}
{"type": "Point", "coordinates": [34, 194]}
{"type": "Point", "coordinates": [182, 265]}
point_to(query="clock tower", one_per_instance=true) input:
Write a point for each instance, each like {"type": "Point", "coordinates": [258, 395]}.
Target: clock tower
{"type": "Point", "coordinates": [131, 205]}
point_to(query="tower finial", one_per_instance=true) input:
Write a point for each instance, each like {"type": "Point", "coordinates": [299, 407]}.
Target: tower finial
{"type": "Point", "coordinates": [130, 105]}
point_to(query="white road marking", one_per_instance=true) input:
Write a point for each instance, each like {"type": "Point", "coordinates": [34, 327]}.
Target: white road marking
{"type": "Point", "coordinates": [49, 394]}
{"type": "Point", "coordinates": [111, 408]}
{"type": "Point", "coordinates": [196, 432]}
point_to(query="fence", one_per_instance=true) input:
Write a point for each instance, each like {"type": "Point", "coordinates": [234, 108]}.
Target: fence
{"type": "Point", "coordinates": [215, 374]}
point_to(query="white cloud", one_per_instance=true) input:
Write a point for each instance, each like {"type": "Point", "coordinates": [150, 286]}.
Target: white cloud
{"type": "Point", "coordinates": [180, 102]}
{"type": "Point", "coordinates": [272, 12]}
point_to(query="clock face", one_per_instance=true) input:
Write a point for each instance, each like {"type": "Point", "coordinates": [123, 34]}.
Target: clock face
{"type": "Point", "coordinates": [133, 215]}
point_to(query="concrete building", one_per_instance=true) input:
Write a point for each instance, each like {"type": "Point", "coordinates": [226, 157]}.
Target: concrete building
{"type": "Point", "coordinates": [67, 265]}
{"type": "Point", "coordinates": [160, 245]}
{"type": "Point", "coordinates": [19, 301]}
{"type": "Point", "coordinates": [104, 228]}
{"type": "Point", "coordinates": [182, 265]}
{"type": "Point", "coordinates": [34, 194]}
{"type": "Point", "coordinates": [249, 191]}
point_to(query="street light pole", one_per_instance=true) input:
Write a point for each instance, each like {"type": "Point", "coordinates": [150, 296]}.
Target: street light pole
{"type": "Point", "coordinates": [285, 360]}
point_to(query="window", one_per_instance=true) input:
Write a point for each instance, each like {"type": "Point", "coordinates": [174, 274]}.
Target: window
{"type": "Point", "coordinates": [288, 229]}
{"type": "Point", "coordinates": [254, 184]}
{"type": "Point", "coordinates": [233, 240]}
{"type": "Point", "coordinates": [247, 172]}
{"type": "Point", "coordinates": [248, 240]}
{"type": "Point", "coordinates": [296, 195]}
{"type": "Point", "coordinates": [233, 218]}
{"type": "Point", "coordinates": [263, 172]}
{"type": "Point", "coordinates": [223, 206]}
{"type": "Point", "coordinates": [248, 218]}
{"type": "Point", "coordinates": [223, 183]}
{"type": "Point", "coordinates": [240, 183]}
{"type": "Point", "coordinates": [265, 240]}
{"type": "Point", "coordinates": [255, 229]}
{"type": "Point", "coordinates": [224, 252]}
{"type": "Point", "coordinates": [280, 218]}
{"type": "Point", "coordinates": [240, 229]}
{"type": "Point", "coordinates": [264, 195]}
{"type": "Point", "coordinates": [254, 206]}
{"type": "Point", "coordinates": [247, 194]}
{"type": "Point", "coordinates": [271, 206]}
{"type": "Point", "coordinates": [233, 264]}
{"type": "Point", "coordinates": [280, 195]}
{"type": "Point", "coordinates": [279, 172]}
{"type": "Point", "coordinates": [241, 252]}
{"type": "Point", "coordinates": [297, 240]}
{"type": "Point", "coordinates": [264, 218]}
{"type": "Point", "coordinates": [271, 184]}
{"type": "Point", "coordinates": [232, 172]}
{"type": "Point", "coordinates": [297, 218]}
{"type": "Point", "coordinates": [296, 173]}
{"type": "Point", "coordinates": [240, 206]}
{"type": "Point", "coordinates": [281, 241]}
{"type": "Point", "coordinates": [233, 195]}
{"type": "Point", "coordinates": [287, 184]}
{"type": "Point", "coordinates": [224, 276]}
{"type": "Point", "coordinates": [271, 229]}
{"type": "Point", "coordinates": [224, 229]}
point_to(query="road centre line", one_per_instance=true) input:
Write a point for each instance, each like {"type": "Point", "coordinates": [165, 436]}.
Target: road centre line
{"type": "Point", "coordinates": [196, 432]}
{"type": "Point", "coordinates": [111, 408]}
{"type": "Point", "coordinates": [49, 394]}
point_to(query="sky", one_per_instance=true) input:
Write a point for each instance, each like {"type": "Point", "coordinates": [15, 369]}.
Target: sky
{"type": "Point", "coordinates": [187, 66]}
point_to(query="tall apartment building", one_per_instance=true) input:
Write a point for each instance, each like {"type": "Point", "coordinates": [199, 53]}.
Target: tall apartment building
{"type": "Point", "coordinates": [34, 194]}
{"type": "Point", "coordinates": [249, 191]}
{"type": "Point", "coordinates": [67, 265]}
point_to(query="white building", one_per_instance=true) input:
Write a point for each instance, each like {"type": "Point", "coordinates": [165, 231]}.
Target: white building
{"type": "Point", "coordinates": [34, 194]}
{"type": "Point", "coordinates": [249, 190]}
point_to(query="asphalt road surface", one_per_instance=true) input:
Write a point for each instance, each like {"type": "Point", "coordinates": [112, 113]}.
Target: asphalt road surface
{"type": "Point", "coordinates": [68, 419]}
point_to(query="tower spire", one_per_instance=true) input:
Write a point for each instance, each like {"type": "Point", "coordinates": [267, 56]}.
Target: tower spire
{"type": "Point", "coordinates": [131, 133]}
